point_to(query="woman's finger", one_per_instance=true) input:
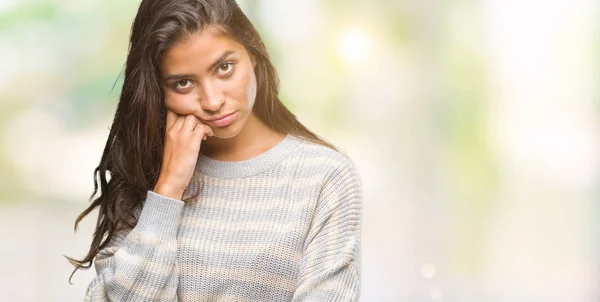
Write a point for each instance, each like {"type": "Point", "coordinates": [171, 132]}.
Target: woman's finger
{"type": "Point", "coordinates": [179, 121]}
{"type": "Point", "coordinates": [199, 131]}
{"type": "Point", "coordinates": [209, 130]}
{"type": "Point", "coordinates": [171, 118]}
{"type": "Point", "coordinates": [189, 123]}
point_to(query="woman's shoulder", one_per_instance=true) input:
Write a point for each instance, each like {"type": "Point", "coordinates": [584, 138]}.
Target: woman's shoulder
{"type": "Point", "coordinates": [325, 158]}
{"type": "Point", "coordinates": [334, 171]}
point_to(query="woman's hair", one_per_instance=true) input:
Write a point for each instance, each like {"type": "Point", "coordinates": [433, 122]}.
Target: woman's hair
{"type": "Point", "coordinates": [133, 152]}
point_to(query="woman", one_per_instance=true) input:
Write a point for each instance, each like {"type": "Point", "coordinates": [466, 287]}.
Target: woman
{"type": "Point", "coordinates": [215, 191]}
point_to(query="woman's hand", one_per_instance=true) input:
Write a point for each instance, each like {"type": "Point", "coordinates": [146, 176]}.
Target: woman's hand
{"type": "Point", "coordinates": [183, 137]}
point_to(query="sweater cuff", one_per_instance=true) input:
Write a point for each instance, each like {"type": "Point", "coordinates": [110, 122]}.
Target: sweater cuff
{"type": "Point", "coordinates": [160, 215]}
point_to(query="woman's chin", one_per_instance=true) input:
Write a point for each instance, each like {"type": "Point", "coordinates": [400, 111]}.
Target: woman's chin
{"type": "Point", "coordinates": [224, 133]}
{"type": "Point", "coordinates": [230, 131]}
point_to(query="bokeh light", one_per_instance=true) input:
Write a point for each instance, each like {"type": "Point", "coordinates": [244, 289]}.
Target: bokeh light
{"type": "Point", "coordinates": [353, 46]}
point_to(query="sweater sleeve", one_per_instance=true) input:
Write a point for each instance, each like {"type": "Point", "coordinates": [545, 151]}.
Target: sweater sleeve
{"type": "Point", "coordinates": [141, 265]}
{"type": "Point", "coordinates": [330, 269]}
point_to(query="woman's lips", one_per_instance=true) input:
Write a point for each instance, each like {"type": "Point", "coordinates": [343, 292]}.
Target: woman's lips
{"type": "Point", "coordinates": [224, 121]}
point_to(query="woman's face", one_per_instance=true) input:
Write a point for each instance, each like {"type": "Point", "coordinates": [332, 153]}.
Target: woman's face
{"type": "Point", "coordinates": [210, 76]}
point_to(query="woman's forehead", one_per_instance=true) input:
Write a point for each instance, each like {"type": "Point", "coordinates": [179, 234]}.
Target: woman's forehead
{"type": "Point", "coordinates": [200, 49]}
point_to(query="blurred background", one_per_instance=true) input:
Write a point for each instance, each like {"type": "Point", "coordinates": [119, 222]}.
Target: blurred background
{"type": "Point", "coordinates": [474, 125]}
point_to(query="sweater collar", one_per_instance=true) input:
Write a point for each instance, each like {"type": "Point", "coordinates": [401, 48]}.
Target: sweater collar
{"type": "Point", "coordinates": [245, 168]}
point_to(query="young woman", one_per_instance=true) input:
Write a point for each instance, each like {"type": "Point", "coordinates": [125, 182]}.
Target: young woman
{"type": "Point", "coordinates": [211, 190]}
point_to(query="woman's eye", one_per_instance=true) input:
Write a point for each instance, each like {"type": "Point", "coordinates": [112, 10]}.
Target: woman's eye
{"type": "Point", "coordinates": [225, 68]}
{"type": "Point", "coordinates": [181, 84]}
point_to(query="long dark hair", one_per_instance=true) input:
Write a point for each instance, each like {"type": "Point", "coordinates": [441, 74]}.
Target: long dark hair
{"type": "Point", "coordinates": [132, 157]}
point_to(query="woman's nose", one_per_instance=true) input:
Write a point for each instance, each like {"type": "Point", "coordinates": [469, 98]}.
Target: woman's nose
{"type": "Point", "coordinates": [211, 97]}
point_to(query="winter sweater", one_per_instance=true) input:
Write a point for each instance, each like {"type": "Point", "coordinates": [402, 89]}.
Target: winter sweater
{"type": "Point", "coordinates": [282, 226]}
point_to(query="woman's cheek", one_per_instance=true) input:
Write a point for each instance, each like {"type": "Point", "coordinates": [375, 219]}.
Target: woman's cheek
{"type": "Point", "coordinates": [181, 104]}
{"type": "Point", "coordinates": [251, 90]}
{"type": "Point", "coordinates": [243, 88]}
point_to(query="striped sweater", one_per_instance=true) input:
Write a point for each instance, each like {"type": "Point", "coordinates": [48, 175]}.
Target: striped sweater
{"type": "Point", "coordinates": [282, 226]}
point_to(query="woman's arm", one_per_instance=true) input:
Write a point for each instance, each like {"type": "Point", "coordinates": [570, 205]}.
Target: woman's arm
{"type": "Point", "coordinates": [330, 269]}
{"type": "Point", "coordinates": [141, 265]}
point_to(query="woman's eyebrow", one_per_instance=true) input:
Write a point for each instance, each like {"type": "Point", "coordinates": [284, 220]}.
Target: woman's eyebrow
{"type": "Point", "coordinates": [220, 59]}
{"type": "Point", "coordinates": [178, 77]}
{"type": "Point", "coordinates": [212, 66]}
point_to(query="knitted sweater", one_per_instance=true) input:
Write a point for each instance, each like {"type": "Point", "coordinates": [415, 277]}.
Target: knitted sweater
{"type": "Point", "coordinates": [282, 226]}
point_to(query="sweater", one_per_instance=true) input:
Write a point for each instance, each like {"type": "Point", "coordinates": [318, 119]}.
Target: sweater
{"type": "Point", "coordinates": [282, 226]}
